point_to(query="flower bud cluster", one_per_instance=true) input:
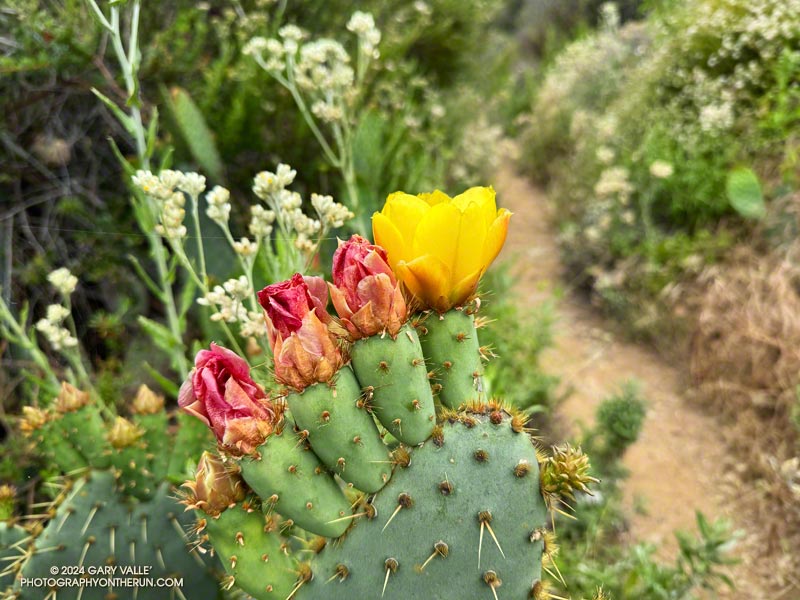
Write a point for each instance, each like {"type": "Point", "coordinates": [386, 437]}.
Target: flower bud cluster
{"type": "Point", "coordinates": [51, 327]}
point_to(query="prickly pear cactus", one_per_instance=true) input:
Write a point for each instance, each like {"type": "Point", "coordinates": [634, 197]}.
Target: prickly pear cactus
{"type": "Point", "coordinates": [388, 496]}
{"type": "Point", "coordinates": [466, 502]}
{"type": "Point", "coordinates": [95, 527]}
{"type": "Point", "coordinates": [114, 505]}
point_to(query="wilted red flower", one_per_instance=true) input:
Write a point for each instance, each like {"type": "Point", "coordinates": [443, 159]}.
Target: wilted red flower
{"type": "Point", "coordinates": [289, 301]}
{"type": "Point", "coordinates": [221, 393]}
{"type": "Point", "coordinates": [304, 350]}
{"type": "Point", "coordinates": [365, 293]}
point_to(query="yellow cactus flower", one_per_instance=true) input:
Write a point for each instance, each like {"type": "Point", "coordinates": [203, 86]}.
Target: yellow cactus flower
{"type": "Point", "coordinates": [438, 246]}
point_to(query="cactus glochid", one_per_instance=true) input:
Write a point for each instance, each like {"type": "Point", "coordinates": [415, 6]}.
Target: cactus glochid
{"type": "Point", "coordinates": [451, 504]}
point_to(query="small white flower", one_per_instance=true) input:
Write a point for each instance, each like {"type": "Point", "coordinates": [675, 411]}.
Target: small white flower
{"type": "Point", "coordinates": [219, 207]}
{"type": "Point", "coordinates": [605, 155]}
{"type": "Point", "coordinates": [244, 247]}
{"type": "Point", "coordinates": [255, 46]}
{"type": "Point", "coordinates": [64, 281]}
{"type": "Point", "coordinates": [193, 184]}
{"type": "Point", "coordinates": [661, 169]}
{"type": "Point", "coordinates": [57, 313]}
{"type": "Point", "coordinates": [261, 221]}
{"type": "Point", "coordinates": [361, 22]}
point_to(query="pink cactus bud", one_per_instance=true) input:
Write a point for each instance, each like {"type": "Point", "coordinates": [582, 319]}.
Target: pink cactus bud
{"type": "Point", "coordinates": [365, 293]}
{"type": "Point", "coordinates": [221, 393]}
{"type": "Point", "coordinates": [305, 350]}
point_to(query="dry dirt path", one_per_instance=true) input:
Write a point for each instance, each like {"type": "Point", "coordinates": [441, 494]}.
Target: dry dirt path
{"type": "Point", "coordinates": [669, 464]}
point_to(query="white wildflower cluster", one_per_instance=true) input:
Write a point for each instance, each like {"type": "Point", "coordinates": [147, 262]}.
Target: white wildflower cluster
{"type": "Point", "coordinates": [614, 182]}
{"type": "Point", "coordinates": [228, 299]}
{"type": "Point", "coordinates": [331, 213]}
{"type": "Point", "coordinates": [479, 151]}
{"type": "Point", "coordinates": [363, 25]}
{"type": "Point", "coordinates": [219, 205]}
{"type": "Point", "coordinates": [245, 248]}
{"type": "Point", "coordinates": [661, 169]}
{"type": "Point", "coordinates": [319, 68]}
{"type": "Point", "coordinates": [64, 281]}
{"type": "Point", "coordinates": [52, 328]}
{"type": "Point", "coordinates": [285, 209]}
{"type": "Point", "coordinates": [261, 220]}
{"type": "Point", "coordinates": [167, 189]}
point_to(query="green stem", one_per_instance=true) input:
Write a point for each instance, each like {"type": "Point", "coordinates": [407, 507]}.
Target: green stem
{"type": "Point", "coordinates": [173, 321]}
{"type": "Point", "coordinates": [184, 260]}
{"type": "Point", "coordinates": [74, 356]}
{"type": "Point", "coordinates": [199, 237]}
{"type": "Point", "coordinates": [21, 339]}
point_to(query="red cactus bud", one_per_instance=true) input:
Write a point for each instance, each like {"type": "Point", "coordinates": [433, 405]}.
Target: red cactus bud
{"type": "Point", "coordinates": [365, 293]}
{"type": "Point", "coordinates": [221, 393]}
{"type": "Point", "coordinates": [289, 301]}
{"type": "Point", "coordinates": [304, 349]}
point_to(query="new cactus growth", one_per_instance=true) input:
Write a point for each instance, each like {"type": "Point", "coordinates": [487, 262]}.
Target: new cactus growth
{"type": "Point", "coordinates": [386, 354]}
{"type": "Point", "coordinates": [291, 479]}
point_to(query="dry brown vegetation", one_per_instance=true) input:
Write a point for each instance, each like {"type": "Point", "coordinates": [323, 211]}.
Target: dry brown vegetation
{"type": "Point", "coordinates": [745, 367]}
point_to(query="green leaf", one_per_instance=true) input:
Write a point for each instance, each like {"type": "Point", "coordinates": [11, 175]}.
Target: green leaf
{"type": "Point", "coordinates": [148, 281]}
{"type": "Point", "coordinates": [161, 336]}
{"type": "Point", "coordinates": [745, 194]}
{"type": "Point", "coordinates": [130, 171]}
{"type": "Point", "coordinates": [166, 384]}
{"type": "Point", "coordinates": [152, 133]}
{"type": "Point", "coordinates": [124, 119]}
{"type": "Point", "coordinates": [195, 131]}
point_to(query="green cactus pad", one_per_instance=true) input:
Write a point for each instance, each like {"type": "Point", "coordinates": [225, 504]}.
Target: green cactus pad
{"type": "Point", "coordinates": [13, 540]}
{"type": "Point", "coordinates": [156, 443]}
{"type": "Point", "coordinates": [55, 447]}
{"type": "Point", "coordinates": [252, 552]}
{"type": "Point", "coordinates": [342, 432]}
{"type": "Point", "coordinates": [394, 375]}
{"type": "Point", "coordinates": [290, 478]}
{"type": "Point", "coordinates": [85, 430]}
{"type": "Point", "coordinates": [96, 527]}
{"type": "Point", "coordinates": [478, 480]}
{"type": "Point", "coordinates": [450, 342]}
{"type": "Point", "coordinates": [192, 438]}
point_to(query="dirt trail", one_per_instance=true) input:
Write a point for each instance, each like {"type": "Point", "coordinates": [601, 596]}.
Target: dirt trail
{"type": "Point", "coordinates": [677, 446]}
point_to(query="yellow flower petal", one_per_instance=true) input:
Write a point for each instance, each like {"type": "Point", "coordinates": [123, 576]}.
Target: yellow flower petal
{"type": "Point", "coordinates": [435, 197]}
{"type": "Point", "coordinates": [465, 288]}
{"type": "Point", "coordinates": [471, 239]}
{"type": "Point", "coordinates": [437, 234]}
{"type": "Point", "coordinates": [496, 236]}
{"type": "Point", "coordinates": [427, 278]}
{"type": "Point", "coordinates": [405, 211]}
{"type": "Point", "coordinates": [484, 197]}
{"type": "Point", "coordinates": [388, 237]}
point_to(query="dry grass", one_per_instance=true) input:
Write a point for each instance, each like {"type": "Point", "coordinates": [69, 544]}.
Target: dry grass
{"type": "Point", "coordinates": [745, 366]}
